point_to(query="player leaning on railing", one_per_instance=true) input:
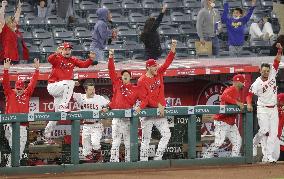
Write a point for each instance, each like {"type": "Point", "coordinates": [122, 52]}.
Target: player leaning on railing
{"type": "Point", "coordinates": [225, 124]}
{"type": "Point", "coordinates": [125, 95]}
{"type": "Point", "coordinates": [151, 85]}
{"type": "Point", "coordinates": [17, 101]}
{"type": "Point", "coordinates": [265, 89]}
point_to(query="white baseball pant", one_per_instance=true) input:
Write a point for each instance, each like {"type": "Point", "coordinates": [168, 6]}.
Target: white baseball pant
{"type": "Point", "coordinates": [62, 92]}
{"type": "Point", "coordinates": [268, 125]}
{"type": "Point", "coordinates": [91, 137]}
{"type": "Point", "coordinates": [163, 126]}
{"type": "Point", "coordinates": [120, 129]}
{"type": "Point", "coordinates": [23, 140]}
{"type": "Point", "coordinates": [276, 150]}
{"type": "Point", "coordinates": [255, 32]}
{"type": "Point", "coordinates": [223, 130]}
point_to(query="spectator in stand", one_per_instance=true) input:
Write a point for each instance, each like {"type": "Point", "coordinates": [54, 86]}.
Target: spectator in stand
{"type": "Point", "coordinates": [42, 9]}
{"type": "Point", "coordinates": [274, 49]}
{"type": "Point", "coordinates": [208, 25]}
{"type": "Point", "coordinates": [151, 37]}
{"type": "Point", "coordinates": [101, 33]}
{"type": "Point", "coordinates": [13, 45]}
{"type": "Point", "coordinates": [236, 27]}
{"type": "Point", "coordinates": [262, 29]}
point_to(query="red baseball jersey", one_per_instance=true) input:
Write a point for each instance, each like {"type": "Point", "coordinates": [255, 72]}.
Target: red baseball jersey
{"type": "Point", "coordinates": [15, 103]}
{"type": "Point", "coordinates": [62, 67]}
{"type": "Point", "coordinates": [152, 89]}
{"type": "Point", "coordinates": [230, 96]}
{"type": "Point", "coordinates": [9, 43]}
{"type": "Point", "coordinates": [124, 95]}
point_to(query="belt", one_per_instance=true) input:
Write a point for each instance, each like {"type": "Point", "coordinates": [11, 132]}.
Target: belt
{"type": "Point", "coordinates": [269, 106]}
{"type": "Point", "coordinates": [85, 122]}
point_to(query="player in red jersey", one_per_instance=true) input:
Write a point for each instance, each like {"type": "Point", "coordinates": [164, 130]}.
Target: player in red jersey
{"type": "Point", "coordinates": [151, 85]}
{"type": "Point", "coordinates": [17, 101]}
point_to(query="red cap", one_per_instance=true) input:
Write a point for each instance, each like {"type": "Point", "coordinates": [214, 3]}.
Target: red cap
{"type": "Point", "coordinates": [66, 45]}
{"type": "Point", "coordinates": [151, 62]}
{"type": "Point", "coordinates": [20, 84]}
{"type": "Point", "coordinates": [239, 78]}
{"type": "Point", "coordinates": [280, 97]}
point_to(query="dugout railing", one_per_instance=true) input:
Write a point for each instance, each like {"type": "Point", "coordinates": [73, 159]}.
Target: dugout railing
{"type": "Point", "coordinates": [184, 111]}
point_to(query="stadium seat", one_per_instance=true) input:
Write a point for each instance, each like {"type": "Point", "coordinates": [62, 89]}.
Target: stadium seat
{"type": "Point", "coordinates": [169, 32]}
{"type": "Point", "coordinates": [173, 4]}
{"type": "Point", "coordinates": [132, 47]}
{"type": "Point", "coordinates": [113, 6]}
{"type": "Point", "coordinates": [119, 19]}
{"type": "Point", "coordinates": [31, 21]}
{"type": "Point", "coordinates": [33, 51]}
{"type": "Point", "coordinates": [136, 19]}
{"type": "Point", "coordinates": [266, 4]}
{"type": "Point", "coordinates": [151, 5]}
{"type": "Point", "coordinates": [131, 5]}
{"type": "Point", "coordinates": [63, 35]}
{"type": "Point", "coordinates": [88, 7]}
{"type": "Point", "coordinates": [257, 45]}
{"type": "Point", "coordinates": [138, 56]}
{"type": "Point", "coordinates": [91, 20]}
{"type": "Point", "coordinates": [166, 19]}
{"type": "Point", "coordinates": [191, 4]}
{"type": "Point", "coordinates": [39, 35]}
{"type": "Point", "coordinates": [179, 17]}
{"type": "Point", "coordinates": [54, 21]}
{"type": "Point", "coordinates": [27, 8]}
{"type": "Point", "coordinates": [82, 33]}
{"type": "Point", "coordinates": [126, 33]}
{"type": "Point", "coordinates": [247, 3]}
{"type": "Point", "coordinates": [233, 3]}
{"type": "Point", "coordinates": [26, 35]}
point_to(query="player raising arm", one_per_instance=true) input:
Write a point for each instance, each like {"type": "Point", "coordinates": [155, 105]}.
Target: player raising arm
{"type": "Point", "coordinates": [265, 89]}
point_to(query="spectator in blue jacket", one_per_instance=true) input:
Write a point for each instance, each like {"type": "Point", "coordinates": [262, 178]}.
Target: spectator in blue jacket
{"type": "Point", "coordinates": [101, 33]}
{"type": "Point", "coordinates": [236, 27]}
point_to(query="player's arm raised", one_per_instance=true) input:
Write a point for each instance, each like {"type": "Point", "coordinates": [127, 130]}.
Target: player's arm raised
{"type": "Point", "coordinates": [6, 81]}
{"type": "Point", "coordinates": [111, 67]}
{"type": "Point", "coordinates": [2, 15]}
{"type": "Point", "coordinates": [169, 58]}
{"type": "Point", "coordinates": [34, 79]}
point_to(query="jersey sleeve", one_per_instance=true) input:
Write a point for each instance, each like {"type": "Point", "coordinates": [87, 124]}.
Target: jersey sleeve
{"type": "Point", "coordinates": [78, 98]}
{"type": "Point", "coordinates": [253, 88]}
{"type": "Point", "coordinates": [105, 101]}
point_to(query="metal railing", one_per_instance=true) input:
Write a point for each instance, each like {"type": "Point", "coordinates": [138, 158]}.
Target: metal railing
{"type": "Point", "coordinates": [184, 111]}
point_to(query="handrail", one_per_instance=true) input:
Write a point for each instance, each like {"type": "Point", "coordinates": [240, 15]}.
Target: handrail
{"type": "Point", "coordinates": [186, 111]}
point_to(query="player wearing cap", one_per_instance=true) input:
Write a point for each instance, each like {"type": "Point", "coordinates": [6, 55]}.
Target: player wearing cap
{"type": "Point", "coordinates": [225, 124]}
{"type": "Point", "coordinates": [17, 101]}
{"type": "Point", "coordinates": [125, 95]}
{"type": "Point", "coordinates": [265, 89]}
{"type": "Point", "coordinates": [92, 129]}
{"type": "Point", "coordinates": [60, 81]}
{"type": "Point", "coordinates": [151, 86]}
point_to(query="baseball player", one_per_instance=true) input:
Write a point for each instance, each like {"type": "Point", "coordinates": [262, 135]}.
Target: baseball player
{"type": "Point", "coordinates": [151, 86]}
{"type": "Point", "coordinates": [125, 95]}
{"type": "Point", "coordinates": [225, 124]}
{"type": "Point", "coordinates": [60, 81]}
{"type": "Point", "coordinates": [267, 113]}
{"type": "Point", "coordinates": [92, 129]}
{"type": "Point", "coordinates": [280, 100]}
{"type": "Point", "coordinates": [17, 101]}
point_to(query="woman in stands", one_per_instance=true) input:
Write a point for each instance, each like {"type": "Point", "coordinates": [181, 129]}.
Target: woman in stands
{"type": "Point", "coordinates": [150, 36]}
{"type": "Point", "coordinates": [12, 42]}
{"type": "Point", "coordinates": [273, 50]}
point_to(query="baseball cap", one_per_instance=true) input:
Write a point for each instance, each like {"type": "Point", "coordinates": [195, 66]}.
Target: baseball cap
{"type": "Point", "coordinates": [20, 84]}
{"type": "Point", "coordinates": [151, 62]}
{"type": "Point", "coordinates": [66, 45]}
{"type": "Point", "coordinates": [280, 97]}
{"type": "Point", "coordinates": [239, 78]}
